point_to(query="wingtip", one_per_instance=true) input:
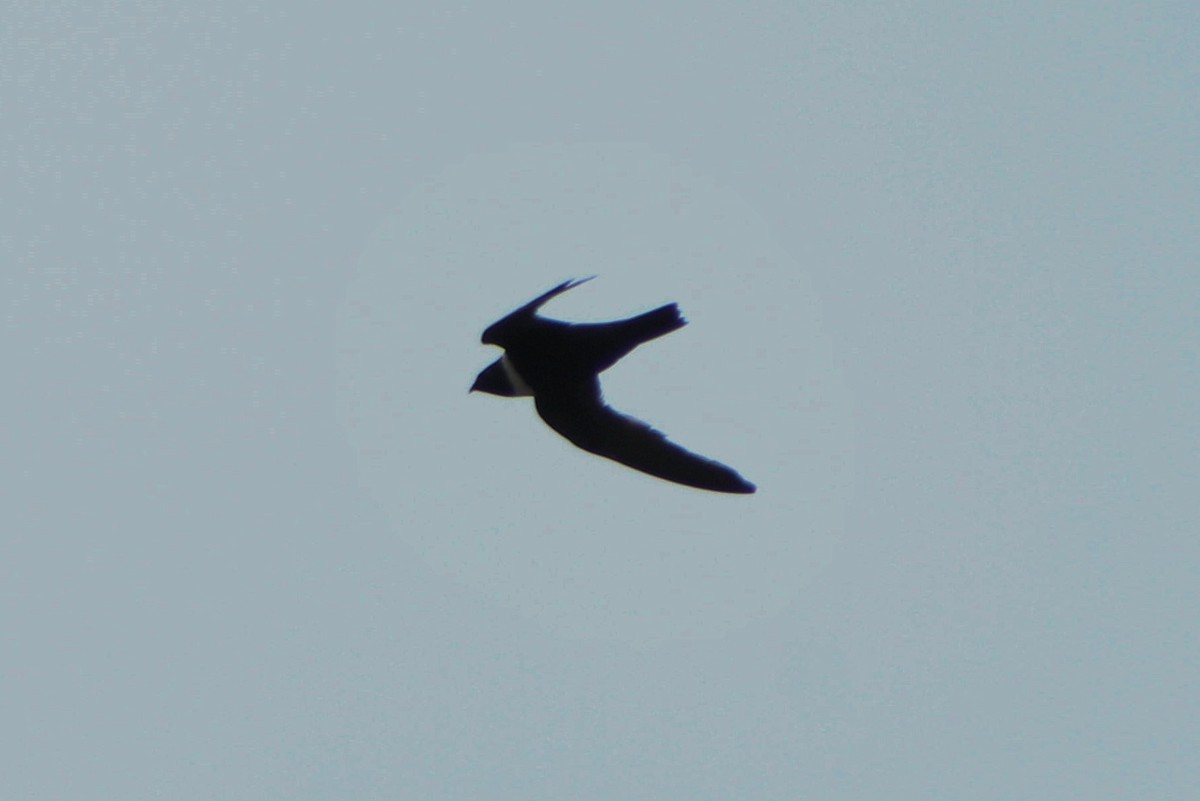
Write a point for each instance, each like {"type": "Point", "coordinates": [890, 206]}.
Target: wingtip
{"type": "Point", "coordinates": [743, 487]}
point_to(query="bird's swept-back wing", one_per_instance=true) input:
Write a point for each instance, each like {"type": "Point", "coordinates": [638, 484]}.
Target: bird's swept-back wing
{"type": "Point", "coordinates": [581, 416]}
{"type": "Point", "coordinates": [494, 333]}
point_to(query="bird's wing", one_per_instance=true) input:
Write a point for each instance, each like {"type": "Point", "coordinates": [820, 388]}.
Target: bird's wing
{"type": "Point", "coordinates": [580, 415]}
{"type": "Point", "coordinates": [537, 302]}
{"type": "Point", "coordinates": [496, 330]}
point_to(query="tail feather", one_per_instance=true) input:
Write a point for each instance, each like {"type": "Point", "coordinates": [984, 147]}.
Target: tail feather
{"type": "Point", "coordinates": [614, 340]}
{"type": "Point", "coordinates": [654, 324]}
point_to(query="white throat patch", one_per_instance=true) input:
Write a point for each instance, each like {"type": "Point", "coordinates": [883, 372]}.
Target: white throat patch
{"type": "Point", "coordinates": [514, 378]}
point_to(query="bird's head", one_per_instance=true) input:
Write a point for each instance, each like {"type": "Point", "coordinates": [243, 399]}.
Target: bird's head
{"type": "Point", "coordinates": [494, 381]}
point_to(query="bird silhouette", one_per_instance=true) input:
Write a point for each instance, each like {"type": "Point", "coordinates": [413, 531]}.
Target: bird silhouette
{"type": "Point", "coordinates": [559, 364]}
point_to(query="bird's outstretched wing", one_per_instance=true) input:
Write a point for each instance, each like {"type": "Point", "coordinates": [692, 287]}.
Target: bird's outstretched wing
{"type": "Point", "coordinates": [580, 415]}
{"type": "Point", "coordinates": [494, 333]}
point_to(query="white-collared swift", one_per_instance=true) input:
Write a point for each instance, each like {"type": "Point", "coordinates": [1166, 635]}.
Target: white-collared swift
{"type": "Point", "coordinates": [559, 365]}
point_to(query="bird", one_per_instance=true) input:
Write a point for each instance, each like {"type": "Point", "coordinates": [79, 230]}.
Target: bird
{"type": "Point", "coordinates": [558, 364]}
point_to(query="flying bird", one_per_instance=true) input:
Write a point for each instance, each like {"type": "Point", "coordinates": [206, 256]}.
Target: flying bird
{"type": "Point", "coordinates": [559, 365]}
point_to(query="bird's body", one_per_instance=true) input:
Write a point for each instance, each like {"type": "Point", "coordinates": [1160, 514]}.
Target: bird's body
{"type": "Point", "coordinates": [559, 363]}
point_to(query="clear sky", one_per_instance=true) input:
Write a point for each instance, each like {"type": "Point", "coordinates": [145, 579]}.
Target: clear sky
{"type": "Point", "coordinates": [940, 263]}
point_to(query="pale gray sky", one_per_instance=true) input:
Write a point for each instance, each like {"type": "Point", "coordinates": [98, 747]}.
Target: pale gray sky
{"type": "Point", "coordinates": [940, 267]}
